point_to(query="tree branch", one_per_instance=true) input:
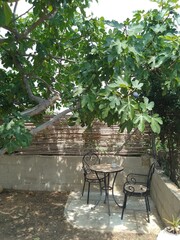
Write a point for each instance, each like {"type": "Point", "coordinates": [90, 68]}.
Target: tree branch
{"type": "Point", "coordinates": [49, 123]}
{"type": "Point", "coordinates": [42, 106]}
{"type": "Point", "coordinates": [24, 13]}
{"type": "Point", "coordinates": [31, 27]}
{"type": "Point", "coordinates": [50, 88]}
{"type": "Point", "coordinates": [29, 91]}
{"type": "Point", "coordinates": [39, 21]}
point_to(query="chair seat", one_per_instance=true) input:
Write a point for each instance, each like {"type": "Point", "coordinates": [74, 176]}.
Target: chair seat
{"type": "Point", "coordinates": [135, 189]}
{"type": "Point", "coordinates": [93, 177]}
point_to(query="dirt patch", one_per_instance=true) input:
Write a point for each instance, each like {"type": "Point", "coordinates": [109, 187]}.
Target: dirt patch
{"type": "Point", "coordinates": [33, 215]}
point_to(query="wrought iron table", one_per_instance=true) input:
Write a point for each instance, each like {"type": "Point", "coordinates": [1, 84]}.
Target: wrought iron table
{"type": "Point", "coordinates": [107, 170]}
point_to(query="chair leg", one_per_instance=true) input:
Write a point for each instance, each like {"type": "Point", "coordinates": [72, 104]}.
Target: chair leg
{"type": "Point", "coordinates": [83, 187]}
{"type": "Point", "coordinates": [124, 205]}
{"type": "Point", "coordinates": [88, 192]}
{"type": "Point", "coordinates": [105, 186]}
{"type": "Point", "coordinates": [100, 188]}
{"type": "Point", "coordinates": [148, 204]}
{"type": "Point", "coordinates": [147, 207]}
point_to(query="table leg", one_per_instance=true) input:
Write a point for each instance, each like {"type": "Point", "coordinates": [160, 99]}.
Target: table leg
{"type": "Point", "coordinates": [101, 188]}
{"type": "Point", "coordinates": [113, 190]}
{"type": "Point", "coordinates": [107, 188]}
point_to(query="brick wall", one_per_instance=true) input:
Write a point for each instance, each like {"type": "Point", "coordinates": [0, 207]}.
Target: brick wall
{"type": "Point", "coordinates": [62, 139]}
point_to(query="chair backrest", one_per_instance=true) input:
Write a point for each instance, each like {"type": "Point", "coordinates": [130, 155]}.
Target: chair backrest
{"type": "Point", "coordinates": [88, 160]}
{"type": "Point", "coordinates": [150, 174]}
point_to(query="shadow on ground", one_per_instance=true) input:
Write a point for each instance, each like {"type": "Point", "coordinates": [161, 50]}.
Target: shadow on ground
{"type": "Point", "coordinates": [28, 215]}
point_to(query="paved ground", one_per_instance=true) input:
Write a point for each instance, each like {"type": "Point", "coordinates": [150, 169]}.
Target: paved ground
{"type": "Point", "coordinates": [82, 216]}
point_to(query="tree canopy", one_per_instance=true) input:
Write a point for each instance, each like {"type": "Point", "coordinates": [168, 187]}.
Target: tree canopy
{"type": "Point", "coordinates": [55, 56]}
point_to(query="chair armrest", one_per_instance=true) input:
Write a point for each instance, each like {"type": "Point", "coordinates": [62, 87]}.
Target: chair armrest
{"type": "Point", "coordinates": [136, 178]}
{"type": "Point", "coordinates": [134, 188]}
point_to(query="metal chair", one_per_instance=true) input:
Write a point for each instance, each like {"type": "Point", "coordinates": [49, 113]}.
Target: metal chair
{"type": "Point", "coordinates": [91, 177]}
{"type": "Point", "coordinates": [138, 185]}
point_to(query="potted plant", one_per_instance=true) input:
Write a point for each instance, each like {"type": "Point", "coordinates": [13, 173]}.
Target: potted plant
{"type": "Point", "coordinates": [171, 232]}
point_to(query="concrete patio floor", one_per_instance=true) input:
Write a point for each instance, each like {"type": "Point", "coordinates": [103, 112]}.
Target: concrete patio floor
{"type": "Point", "coordinates": [82, 216]}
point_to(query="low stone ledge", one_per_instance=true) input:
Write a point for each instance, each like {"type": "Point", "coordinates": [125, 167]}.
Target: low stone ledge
{"type": "Point", "coordinates": [55, 173]}
{"type": "Point", "coordinates": [166, 196]}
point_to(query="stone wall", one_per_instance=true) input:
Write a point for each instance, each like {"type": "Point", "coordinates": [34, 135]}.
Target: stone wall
{"type": "Point", "coordinates": [166, 196]}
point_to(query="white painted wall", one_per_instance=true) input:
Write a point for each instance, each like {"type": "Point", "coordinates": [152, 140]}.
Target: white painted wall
{"type": "Point", "coordinates": [56, 173]}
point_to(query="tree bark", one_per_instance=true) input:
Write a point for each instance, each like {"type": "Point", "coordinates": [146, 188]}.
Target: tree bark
{"type": "Point", "coordinates": [50, 123]}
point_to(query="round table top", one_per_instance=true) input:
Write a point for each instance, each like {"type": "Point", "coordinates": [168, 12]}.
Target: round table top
{"type": "Point", "coordinates": [106, 168]}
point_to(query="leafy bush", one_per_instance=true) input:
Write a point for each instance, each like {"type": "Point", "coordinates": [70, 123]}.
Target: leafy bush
{"type": "Point", "coordinates": [14, 134]}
